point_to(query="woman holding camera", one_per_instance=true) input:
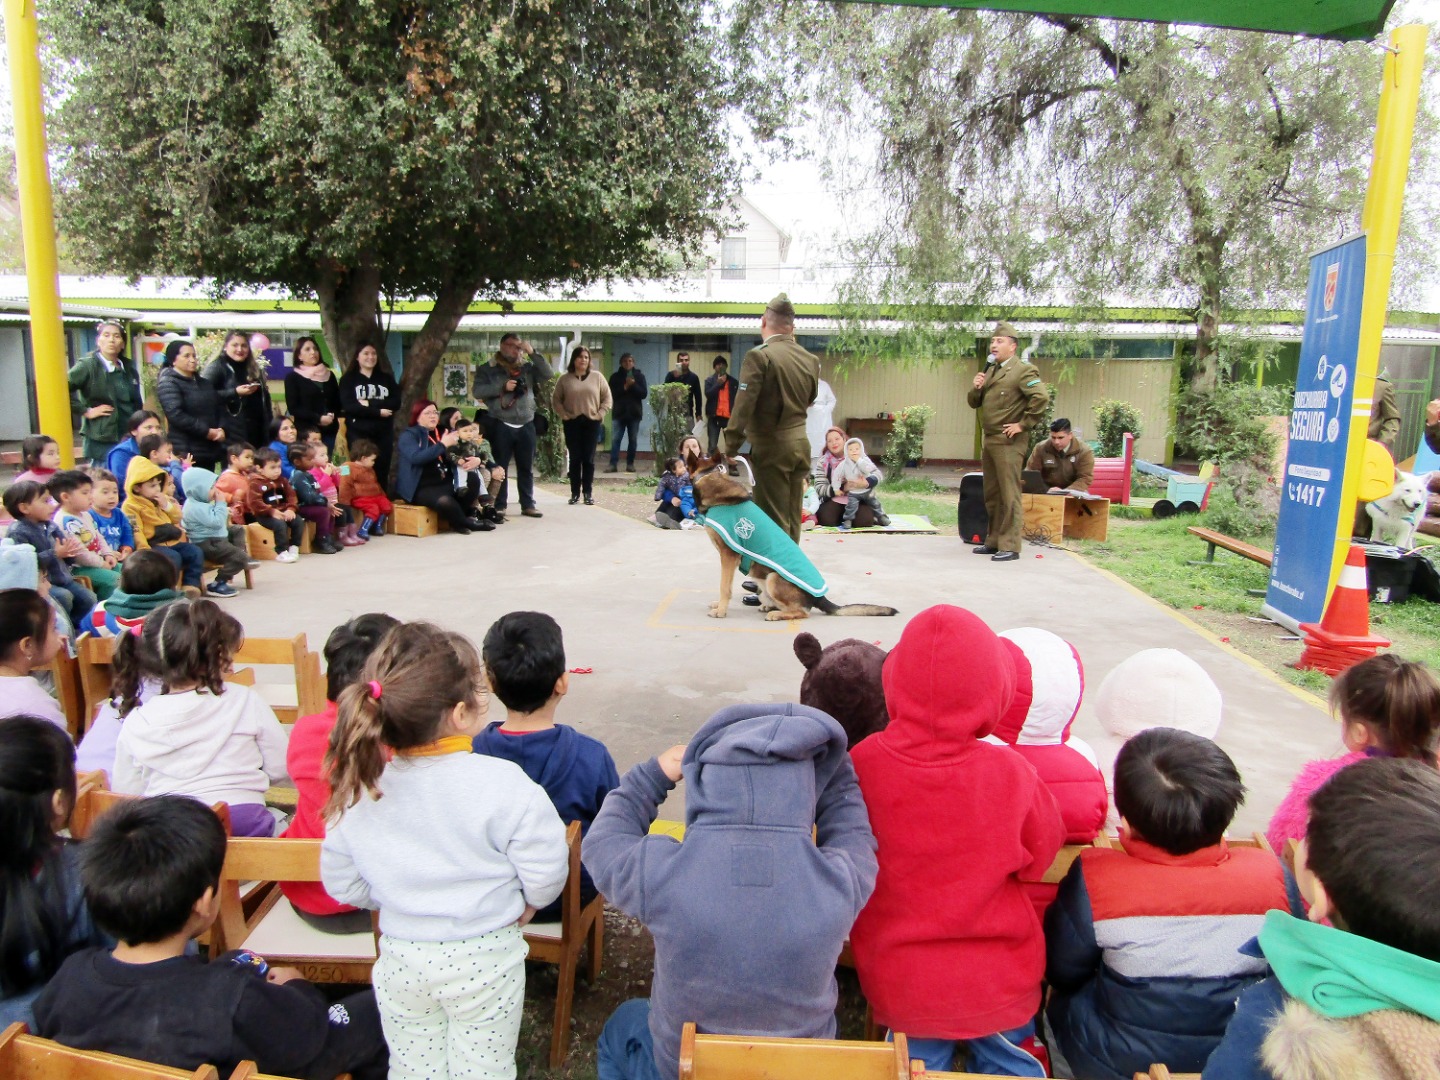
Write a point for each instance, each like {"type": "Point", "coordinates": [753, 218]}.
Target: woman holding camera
{"type": "Point", "coordinates": [240, 384]}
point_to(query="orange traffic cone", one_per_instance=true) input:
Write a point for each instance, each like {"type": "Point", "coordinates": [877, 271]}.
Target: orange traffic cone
{"type": "Point", "coordinates": [1342, 638]}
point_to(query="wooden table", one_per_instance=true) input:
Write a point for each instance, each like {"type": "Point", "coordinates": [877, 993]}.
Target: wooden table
{"type": "Point", "coordinates": [1066, 516]}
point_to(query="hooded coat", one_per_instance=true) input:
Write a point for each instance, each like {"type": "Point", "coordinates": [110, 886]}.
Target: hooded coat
{"type": "Point", "coordinates": [949, 947]}
{"type": "Point", "coordinates": [1339, 1007]}
{"type": "Point", "coordinates": [226, 747]}
{"type": "Point", "coordinates": [750, 912]}
{"type": "Point", "coordinates": [146, 515]}
{"type": "Point", "coordinates": [203, 517]}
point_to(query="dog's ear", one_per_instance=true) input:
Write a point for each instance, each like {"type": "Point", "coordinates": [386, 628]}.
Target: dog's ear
{"type": "Point", "coordinates": [807, 648]}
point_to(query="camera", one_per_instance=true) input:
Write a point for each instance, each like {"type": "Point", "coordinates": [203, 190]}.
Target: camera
{"type": "Point", "coordinates": [519, 378]}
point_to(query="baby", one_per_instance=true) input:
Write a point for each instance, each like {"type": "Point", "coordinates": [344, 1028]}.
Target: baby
{"type": "Point", "coordinates": [857, 477]}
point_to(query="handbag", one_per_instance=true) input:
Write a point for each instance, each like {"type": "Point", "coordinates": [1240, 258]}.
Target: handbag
{"type": "Point", "coordinates": [542, 425]}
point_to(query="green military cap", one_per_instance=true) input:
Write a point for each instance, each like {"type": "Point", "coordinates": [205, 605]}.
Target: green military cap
{"type": "Point", "coordinates": [1005, 329]}
{"type": "Point", "coordinates": [781, 308]}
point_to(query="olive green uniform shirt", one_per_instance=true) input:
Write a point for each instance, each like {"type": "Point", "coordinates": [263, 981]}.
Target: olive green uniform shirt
{"type": "Point", "coordinates": [1384, 415]}
{"type": "Point", "coordinates": [1013, 393]}
{"type": "Point", "coordinates": [1072, 468]}
{"type": "Point", "coordinates": [778, 382]}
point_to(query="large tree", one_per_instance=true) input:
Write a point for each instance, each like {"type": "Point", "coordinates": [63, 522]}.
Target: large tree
{"type": "Point", "coordinates": [1033, 160]}
{"type": "Point", "coordinates": [362, 152]}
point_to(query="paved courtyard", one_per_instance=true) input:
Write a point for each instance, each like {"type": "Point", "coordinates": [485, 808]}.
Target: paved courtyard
{"type": "Point", "coordinates": [632, 598]}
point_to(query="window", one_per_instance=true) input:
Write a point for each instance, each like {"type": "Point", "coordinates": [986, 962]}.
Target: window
{"type": "Point", "coordinates": [732, 258]}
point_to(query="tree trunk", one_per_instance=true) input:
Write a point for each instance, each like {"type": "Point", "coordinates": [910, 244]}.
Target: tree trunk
{"type": "Point", "coordinates": [1206, 374]}
{"type": "Point", "coordinates": [350, 310]}
{"type": "Point", "coordinates": [429, 345]}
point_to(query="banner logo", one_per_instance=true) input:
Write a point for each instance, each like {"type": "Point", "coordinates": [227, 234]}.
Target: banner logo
{"type": "Point", "coordinates": [1332, 285]}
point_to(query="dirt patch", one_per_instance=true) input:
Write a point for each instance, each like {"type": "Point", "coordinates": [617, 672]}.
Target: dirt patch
{"type": "Point", "coordinates": [637, 505]}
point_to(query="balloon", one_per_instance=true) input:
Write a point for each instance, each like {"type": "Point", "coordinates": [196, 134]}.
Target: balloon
{"type": "Point", "coordinates": [259, 342]}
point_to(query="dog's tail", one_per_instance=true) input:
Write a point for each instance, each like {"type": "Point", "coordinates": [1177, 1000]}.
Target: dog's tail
{"type": "Point", "coordinates": [829, 608]}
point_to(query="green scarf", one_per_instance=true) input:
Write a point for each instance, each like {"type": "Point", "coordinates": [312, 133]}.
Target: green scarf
{"type": "Point", "coordinates": [124, 605]}
{"type": "Point", "coordinates": [1339, 974]}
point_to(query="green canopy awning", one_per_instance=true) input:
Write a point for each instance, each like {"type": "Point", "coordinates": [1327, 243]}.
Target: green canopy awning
{"type": "Point", "coordinates": [1343, 19]}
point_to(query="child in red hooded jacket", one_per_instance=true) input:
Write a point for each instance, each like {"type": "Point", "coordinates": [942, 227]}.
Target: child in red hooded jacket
{"type": "Point", "coordinates": [949, 949]}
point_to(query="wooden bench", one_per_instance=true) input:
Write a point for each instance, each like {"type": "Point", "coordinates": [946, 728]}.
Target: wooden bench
{"type": "Point", "coordinates": [1229, 543]}
{"type": "Point", "coordinates": [737, 1057]}
{"type": "Point", "coordinates": [28, 1057]}
{"type": "Point", "coordinates": [95, 655]}
{"type": "Point", "coordinates": [407, 519]}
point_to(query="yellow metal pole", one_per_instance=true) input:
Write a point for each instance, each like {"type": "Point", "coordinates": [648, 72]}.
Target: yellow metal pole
{"type": "Point", "coordinates": [1389, 168]}
{"type": "Point", "coordinates": [37, 225]}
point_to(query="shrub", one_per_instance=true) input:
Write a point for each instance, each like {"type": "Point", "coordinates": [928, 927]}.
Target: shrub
{"type": "Point", "coordinates": [550, 449]}
{"type": "Point", "coordinates": [907, 440]}
{"type": "Point", "coordinates": [1112, 420]}
{"type": "Point", "coordinates": [670, 402]}
{"type": "Point", "coordinates": [1224, 425]}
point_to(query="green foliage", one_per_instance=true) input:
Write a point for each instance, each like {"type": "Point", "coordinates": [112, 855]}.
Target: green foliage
{"type": "Point", "coordinates": [1225, 425]}
{"type": "Point", "coordinates": [397, 148]}
{"type": "Point", "coordinates": [1112, 420]}
{"type": "Point", "coordinates": [907, 440]}
{"type": "Point", "coordinates": [670, 402]}
{"type": "Point", "coordinates": [550, 447]}
{"type": "Point", "coordinates": [1024, 157]}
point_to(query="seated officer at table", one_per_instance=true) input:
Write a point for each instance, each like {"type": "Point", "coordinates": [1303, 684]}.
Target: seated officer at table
{"type": "Point", "coordinates": [1063, 460]}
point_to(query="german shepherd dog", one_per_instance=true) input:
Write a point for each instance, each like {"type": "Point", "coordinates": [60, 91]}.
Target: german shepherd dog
{"type": "Point", "coordinates": [779, 599]}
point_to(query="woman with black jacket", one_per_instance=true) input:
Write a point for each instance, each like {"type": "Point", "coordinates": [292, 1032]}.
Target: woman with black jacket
{"type": "Point", "coordinates": [312, 394]}
{"type": "Point", "coordinates": [238, 380]}
{"type": "Point", "coordinates": [193, 413]}
{"type": "Point", "coordinates": [369, 396]}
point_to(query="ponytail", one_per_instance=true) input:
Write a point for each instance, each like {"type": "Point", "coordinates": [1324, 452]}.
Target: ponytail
{"type": "Point", "coordinates": [184, 641]}
{"type": "Point", "coordinates": [411, 683]}
{"type": "Point", "coordinates": [1399, 700]}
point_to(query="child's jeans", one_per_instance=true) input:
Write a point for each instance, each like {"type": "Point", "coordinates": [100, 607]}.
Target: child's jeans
{"type": "Point", "coordinates": [188, 558]}
{"type": "Point", "coordinates": [287, 533]}
{"type": "Point", "coordinates": [323, 518]}
{"type": "Point", "coordinates": [452, 1008]}
{"type": "Point", "coordinates": [853, 501]}
{"type": "Point", "coordinates": [1006, 1053]}
{"type": "Point", "coordinates": [625, 1050]}
{"type": "Point", "coordinates": [76, 599]}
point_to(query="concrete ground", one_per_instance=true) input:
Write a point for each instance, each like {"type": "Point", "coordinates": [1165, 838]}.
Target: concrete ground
{"type": "Point", "coordinates": [632, 599]}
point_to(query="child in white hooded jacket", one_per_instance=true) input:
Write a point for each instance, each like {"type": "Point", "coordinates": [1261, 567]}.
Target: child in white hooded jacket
{"type": "Point", "coordinates": [200, 736]}
{"type": "Point", "coordinates": [856, 477]}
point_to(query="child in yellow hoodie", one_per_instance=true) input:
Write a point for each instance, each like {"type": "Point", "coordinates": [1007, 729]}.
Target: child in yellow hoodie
{"type": "Point", "coordinates": [155, 517]}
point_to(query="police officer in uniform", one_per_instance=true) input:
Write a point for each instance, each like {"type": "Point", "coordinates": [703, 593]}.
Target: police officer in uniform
{"type": "Point", "coordinates": [1011, 398]}
{"type": "Point", "coordinates": [778, 382]}
{"type": "Point", "coordinates": [1065, 463]}
{"type": "Point", "coordinates": [1384, 425]}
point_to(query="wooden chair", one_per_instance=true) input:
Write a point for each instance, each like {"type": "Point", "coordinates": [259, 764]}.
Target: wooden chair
{"type": "Point", "coordinates": [272, 927]}
{"type": "Point", "coordinates": [95, 655]}
{"type": "Point", "coordinates": [94, 801]}
{"type": "Point", "coordinates": [737, 1057]}
{"type": "Point", "coordinates": [65, 670]}
{"type": "Point", "coordinates": [29, 1057]}
{"type": "Point", "coordinates": [212, 567]}
{"type": "Point", "coordinates": [560, 943]}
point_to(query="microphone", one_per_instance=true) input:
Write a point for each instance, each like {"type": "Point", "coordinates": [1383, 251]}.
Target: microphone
{"type": "Point", "coordinates": [990, 361]}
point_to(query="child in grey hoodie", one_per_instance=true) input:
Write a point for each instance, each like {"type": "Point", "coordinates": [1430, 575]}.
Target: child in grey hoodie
{"type": "Point", "coordinates": [749, 913]}
{"type": "Point", "coordinates": [858, 473]}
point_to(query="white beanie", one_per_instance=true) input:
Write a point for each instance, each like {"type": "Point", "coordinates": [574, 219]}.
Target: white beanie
{"type": "Point", "coordinates": [1158, 688]}
{"type": "Point", "coordinates": [19, 566]}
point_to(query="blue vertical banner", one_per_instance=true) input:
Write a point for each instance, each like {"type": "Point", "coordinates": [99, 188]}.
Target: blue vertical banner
{"type": "Point", "coordinates": [1319, 436]}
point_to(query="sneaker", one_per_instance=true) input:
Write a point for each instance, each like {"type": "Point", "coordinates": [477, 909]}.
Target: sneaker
{"type": "Point", "coordinates": [690, 523]}
{"type": "Point", "coordinates": [220, 588]}
{"type": "Point", "coordinates": [287, 556]}
{"type": "Point", "coordinates": [844, 526]}
{"type": "Point", "coordinates": [629, 468]}
{"type": "Point", "coordinates": [883, 520]}
{"type": "Point", "coordinates": [613, 468]}
{"type": "Point", "coordinates": [326, 545]}
{"type": "Point", "coordinates": [295, 550]}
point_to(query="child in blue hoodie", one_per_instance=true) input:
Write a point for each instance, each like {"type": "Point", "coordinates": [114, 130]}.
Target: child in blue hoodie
{"type": "Point", "coordinates": [748, 914]}
{"type": "Point", "coordinates": [114, 526]}
{"type": "Point", "coordinates": [206, 521]}
{"type": "Point", "coordinates": [1361, 996]}
{"type": "Point", "coordinates": [524, 656]}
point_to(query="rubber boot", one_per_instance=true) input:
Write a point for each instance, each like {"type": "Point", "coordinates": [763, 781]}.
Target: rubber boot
{"type": "Point", "coordinates": [365, 526]}
{"type": "Point", "coordinates": [378, 529]}
{"type": "Point", "coordinates": [348, 537]}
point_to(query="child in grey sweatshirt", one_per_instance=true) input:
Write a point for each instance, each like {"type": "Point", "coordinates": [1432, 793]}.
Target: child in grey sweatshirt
{"type": "Point", "coordinates": [854, 471]}
{"type": "Point", "coordinates": [749, 913]}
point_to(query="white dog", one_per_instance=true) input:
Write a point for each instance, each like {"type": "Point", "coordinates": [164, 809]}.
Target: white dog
{"type": "Point", "coordinates": [1398, 514]}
